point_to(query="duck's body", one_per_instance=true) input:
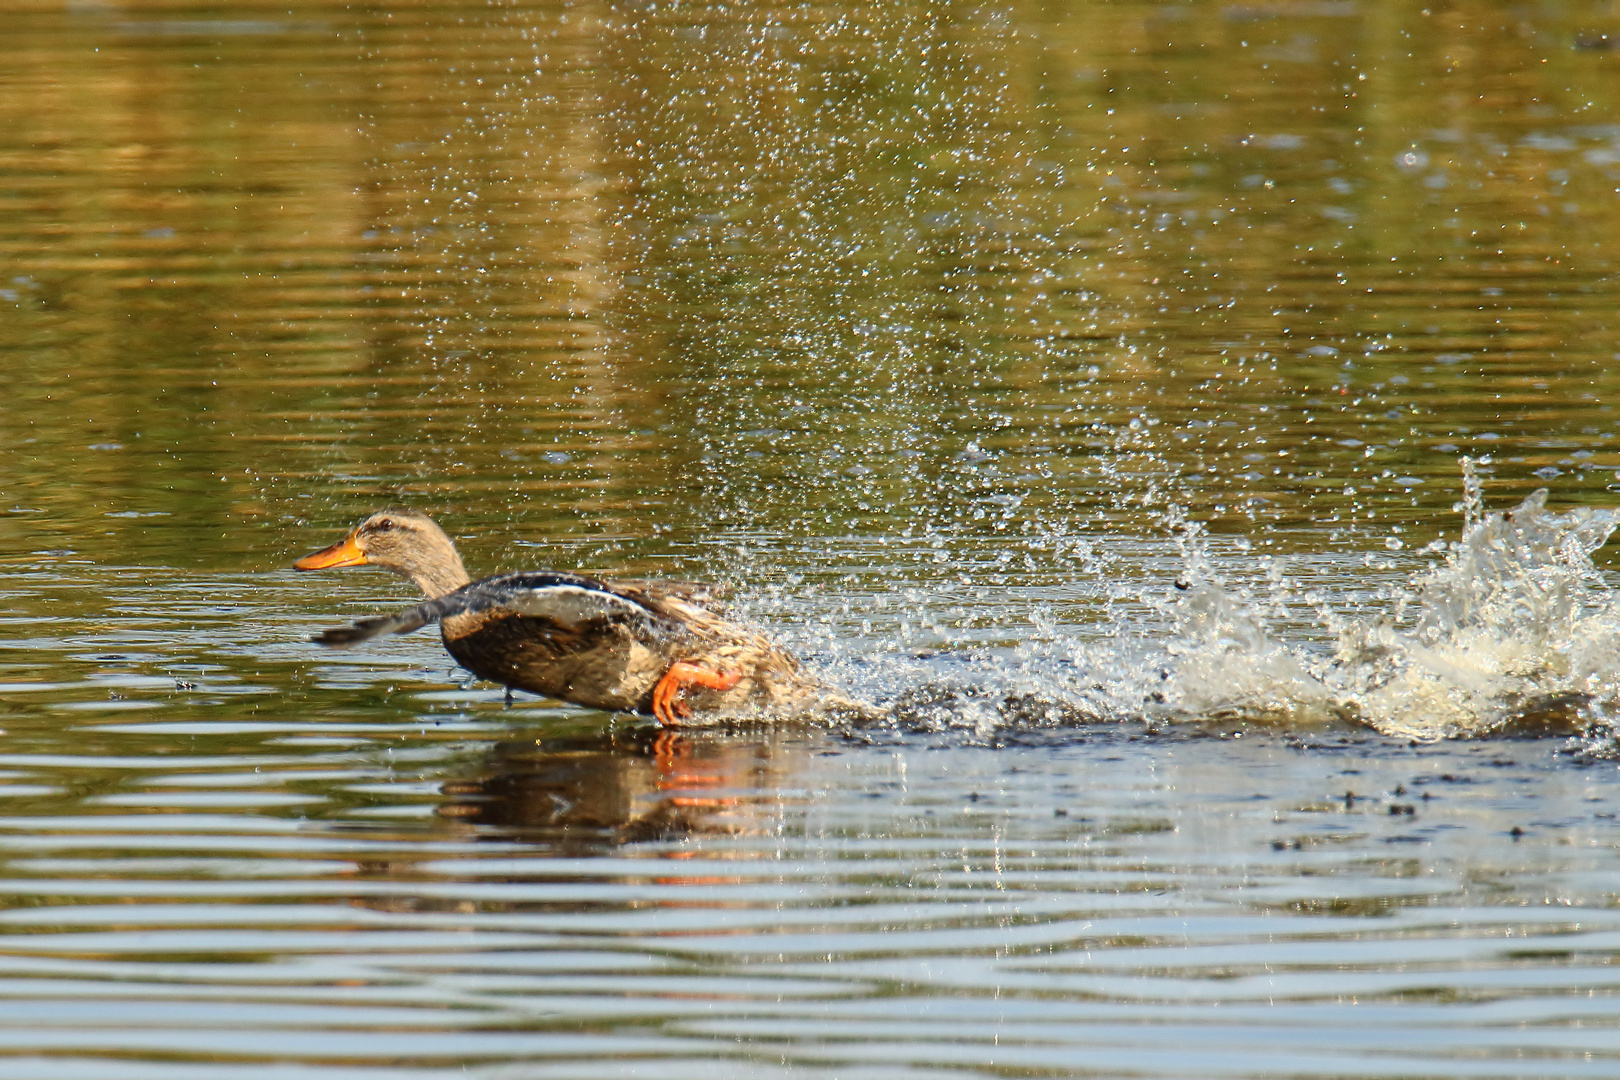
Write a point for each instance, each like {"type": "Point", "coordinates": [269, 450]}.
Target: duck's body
{"type": "Point", "coordinates": [645, 647]}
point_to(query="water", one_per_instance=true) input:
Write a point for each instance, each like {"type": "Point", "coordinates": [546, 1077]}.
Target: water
{"type": "Point", "coordinates": [1146, 405]}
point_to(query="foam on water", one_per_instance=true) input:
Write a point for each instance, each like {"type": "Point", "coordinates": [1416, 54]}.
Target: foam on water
{"type": "Point", "coordinates": [1515, 631]}
{"type": "Point", "coordinates": [1516, 627]}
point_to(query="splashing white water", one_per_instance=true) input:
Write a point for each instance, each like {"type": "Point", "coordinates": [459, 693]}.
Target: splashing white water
{"type": "Point", "coordinates": [1515, 630]}
{"type": "Point", "coordinates": [1516, 622]}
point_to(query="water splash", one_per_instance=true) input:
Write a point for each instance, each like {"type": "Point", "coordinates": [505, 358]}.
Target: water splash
{"type": "Point", "coordinates": [1516, 625]}
{"type": "Point", "coordinates": [1515, 631]}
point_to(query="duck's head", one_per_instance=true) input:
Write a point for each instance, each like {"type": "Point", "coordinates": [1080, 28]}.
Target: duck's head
{"type": "Point", "coordinates": [408, 543]}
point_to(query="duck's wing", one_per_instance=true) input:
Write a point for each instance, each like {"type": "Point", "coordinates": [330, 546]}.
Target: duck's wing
{"type": "Point", "coordinates": [569, 600]}
{"type": "Point", "coordinates": [710, 597]}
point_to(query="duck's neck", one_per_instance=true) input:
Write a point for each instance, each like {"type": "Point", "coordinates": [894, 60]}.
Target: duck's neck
{"type": "Point", "coordinates": [439, 577]}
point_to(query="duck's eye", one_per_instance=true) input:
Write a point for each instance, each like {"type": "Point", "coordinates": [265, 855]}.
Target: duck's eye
{"type": "Point", "coordinates": [382, 526]}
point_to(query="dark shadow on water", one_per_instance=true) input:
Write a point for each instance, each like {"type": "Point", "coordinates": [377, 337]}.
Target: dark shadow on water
{"type": "Point", "coordinates": [938, 706]}
{"type": "Point", "coordinates": [1546, 715]}
{"type": "Point", "coordinates": [589, 793]}
{"type": "Point", "coordinates": [986, 715]}
{"type": "Point", "coordinates": [967, 714]}
{"type": "Point", "coordinates": [580, 794]}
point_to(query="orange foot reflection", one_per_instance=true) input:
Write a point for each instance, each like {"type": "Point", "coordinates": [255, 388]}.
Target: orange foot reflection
{"type": "Point", "coordinates": [667, 705]}
{"type": "Point", "coordinates": [681, 770]}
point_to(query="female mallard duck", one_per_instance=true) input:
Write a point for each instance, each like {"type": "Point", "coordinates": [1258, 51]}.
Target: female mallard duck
{"type": "Point", "coordinates": [625, 647]}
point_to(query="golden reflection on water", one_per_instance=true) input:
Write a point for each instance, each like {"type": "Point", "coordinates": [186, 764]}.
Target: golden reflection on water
{"type": "Point", "coordinates": [657, 262]}
{"type": "Point", "coordinates": [884, 298]}
{"type": "Point", "coordinates": [937, 306]}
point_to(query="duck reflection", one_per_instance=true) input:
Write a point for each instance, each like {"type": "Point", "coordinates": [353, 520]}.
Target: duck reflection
{"type": "Point", "coordinates": [590, 791]}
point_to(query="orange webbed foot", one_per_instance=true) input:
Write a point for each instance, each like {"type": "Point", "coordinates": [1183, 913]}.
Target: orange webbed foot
{"type": "Point", "coordinates": [667, 705]}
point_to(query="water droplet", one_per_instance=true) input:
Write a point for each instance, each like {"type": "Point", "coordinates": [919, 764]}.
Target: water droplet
{"type": "Point", "coordinates": [1413, 160]}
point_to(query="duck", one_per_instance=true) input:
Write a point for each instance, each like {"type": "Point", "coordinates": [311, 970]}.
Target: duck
{"type": "Point", "coordinates": [664, 649]}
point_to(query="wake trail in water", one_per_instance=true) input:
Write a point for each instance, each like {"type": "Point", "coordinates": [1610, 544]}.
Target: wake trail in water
{"type": "Point", "coordinates": [1514, 632]}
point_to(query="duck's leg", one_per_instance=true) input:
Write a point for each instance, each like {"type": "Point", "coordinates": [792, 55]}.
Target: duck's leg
{"type": "Point", "coordinates": [667, 705]}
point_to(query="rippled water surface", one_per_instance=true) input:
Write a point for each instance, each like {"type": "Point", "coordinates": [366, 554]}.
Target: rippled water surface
{"type": "Point", "coordinates": [1190, 425]}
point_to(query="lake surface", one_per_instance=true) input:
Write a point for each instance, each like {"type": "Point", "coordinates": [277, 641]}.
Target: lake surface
{"type": "Point", "coordinates": [1143, 404]}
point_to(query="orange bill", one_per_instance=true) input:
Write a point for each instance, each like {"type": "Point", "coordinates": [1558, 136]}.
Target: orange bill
{"type": "Point", "coordinates": [343, 553]}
